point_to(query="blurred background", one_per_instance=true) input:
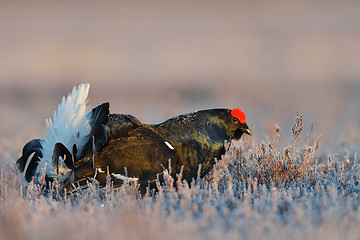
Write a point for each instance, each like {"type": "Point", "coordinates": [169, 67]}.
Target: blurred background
{"type": "Point", "coordinates": [159, 59]}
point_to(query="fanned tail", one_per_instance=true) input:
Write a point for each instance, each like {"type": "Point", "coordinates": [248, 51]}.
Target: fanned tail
{"type": "Point", "coordinates": [74, 132]}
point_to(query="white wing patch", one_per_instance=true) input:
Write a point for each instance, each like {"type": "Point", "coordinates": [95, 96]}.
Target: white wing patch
{"type": "Point", "coordinates": [169, 145]}
{"type": "Point", "coordinates": [70, 125]}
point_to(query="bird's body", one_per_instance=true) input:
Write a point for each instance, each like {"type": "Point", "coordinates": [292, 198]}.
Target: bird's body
{"type": "Point", "coordinates": [122, 147]}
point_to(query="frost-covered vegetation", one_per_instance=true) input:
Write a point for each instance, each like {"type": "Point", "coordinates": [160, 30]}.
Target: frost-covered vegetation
{"type": "Point", "coordinates": [259, 189]}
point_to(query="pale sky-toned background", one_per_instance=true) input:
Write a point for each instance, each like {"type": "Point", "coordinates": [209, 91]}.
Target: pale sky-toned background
{"type": "Point", "coordinates": [162, 58]}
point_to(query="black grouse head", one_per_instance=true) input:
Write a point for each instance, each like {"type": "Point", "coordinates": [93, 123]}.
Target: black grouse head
{"type": "Point", "coordinates": [233, 122]}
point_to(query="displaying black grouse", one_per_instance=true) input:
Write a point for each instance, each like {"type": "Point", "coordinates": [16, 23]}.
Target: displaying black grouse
{"type": "Point", "coordinates": [83, 143]}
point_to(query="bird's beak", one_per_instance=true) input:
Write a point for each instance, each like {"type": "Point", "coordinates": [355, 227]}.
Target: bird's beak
{"type": "Point", "coordinates": [247, 131]}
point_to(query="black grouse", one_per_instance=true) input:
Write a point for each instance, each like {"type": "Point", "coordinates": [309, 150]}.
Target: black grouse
{"type": "Point", "coordinates": [82, 144]}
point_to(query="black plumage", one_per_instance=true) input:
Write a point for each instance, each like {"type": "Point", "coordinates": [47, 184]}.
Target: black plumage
{"type": "Point", "coordinates": [123, 147]}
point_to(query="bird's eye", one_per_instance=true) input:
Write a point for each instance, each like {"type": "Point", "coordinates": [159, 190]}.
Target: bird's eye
{"type": "Point", "coordinates": [235, 120]}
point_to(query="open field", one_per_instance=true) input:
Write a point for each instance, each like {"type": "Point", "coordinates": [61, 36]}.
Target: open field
{"type": "Point", "coordinates": [159, 60]}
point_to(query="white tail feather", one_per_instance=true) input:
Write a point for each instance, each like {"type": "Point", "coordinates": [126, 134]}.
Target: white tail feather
{"type": "Point", "coordinates": [70, 125]}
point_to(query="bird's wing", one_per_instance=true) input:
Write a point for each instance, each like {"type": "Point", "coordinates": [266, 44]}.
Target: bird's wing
{"type": "Point", "coordinates": [143, 153]}
{"type": "Point", "coordinates": [120, 125]}
{"type": "Point", "coordinates": [98, 120]}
